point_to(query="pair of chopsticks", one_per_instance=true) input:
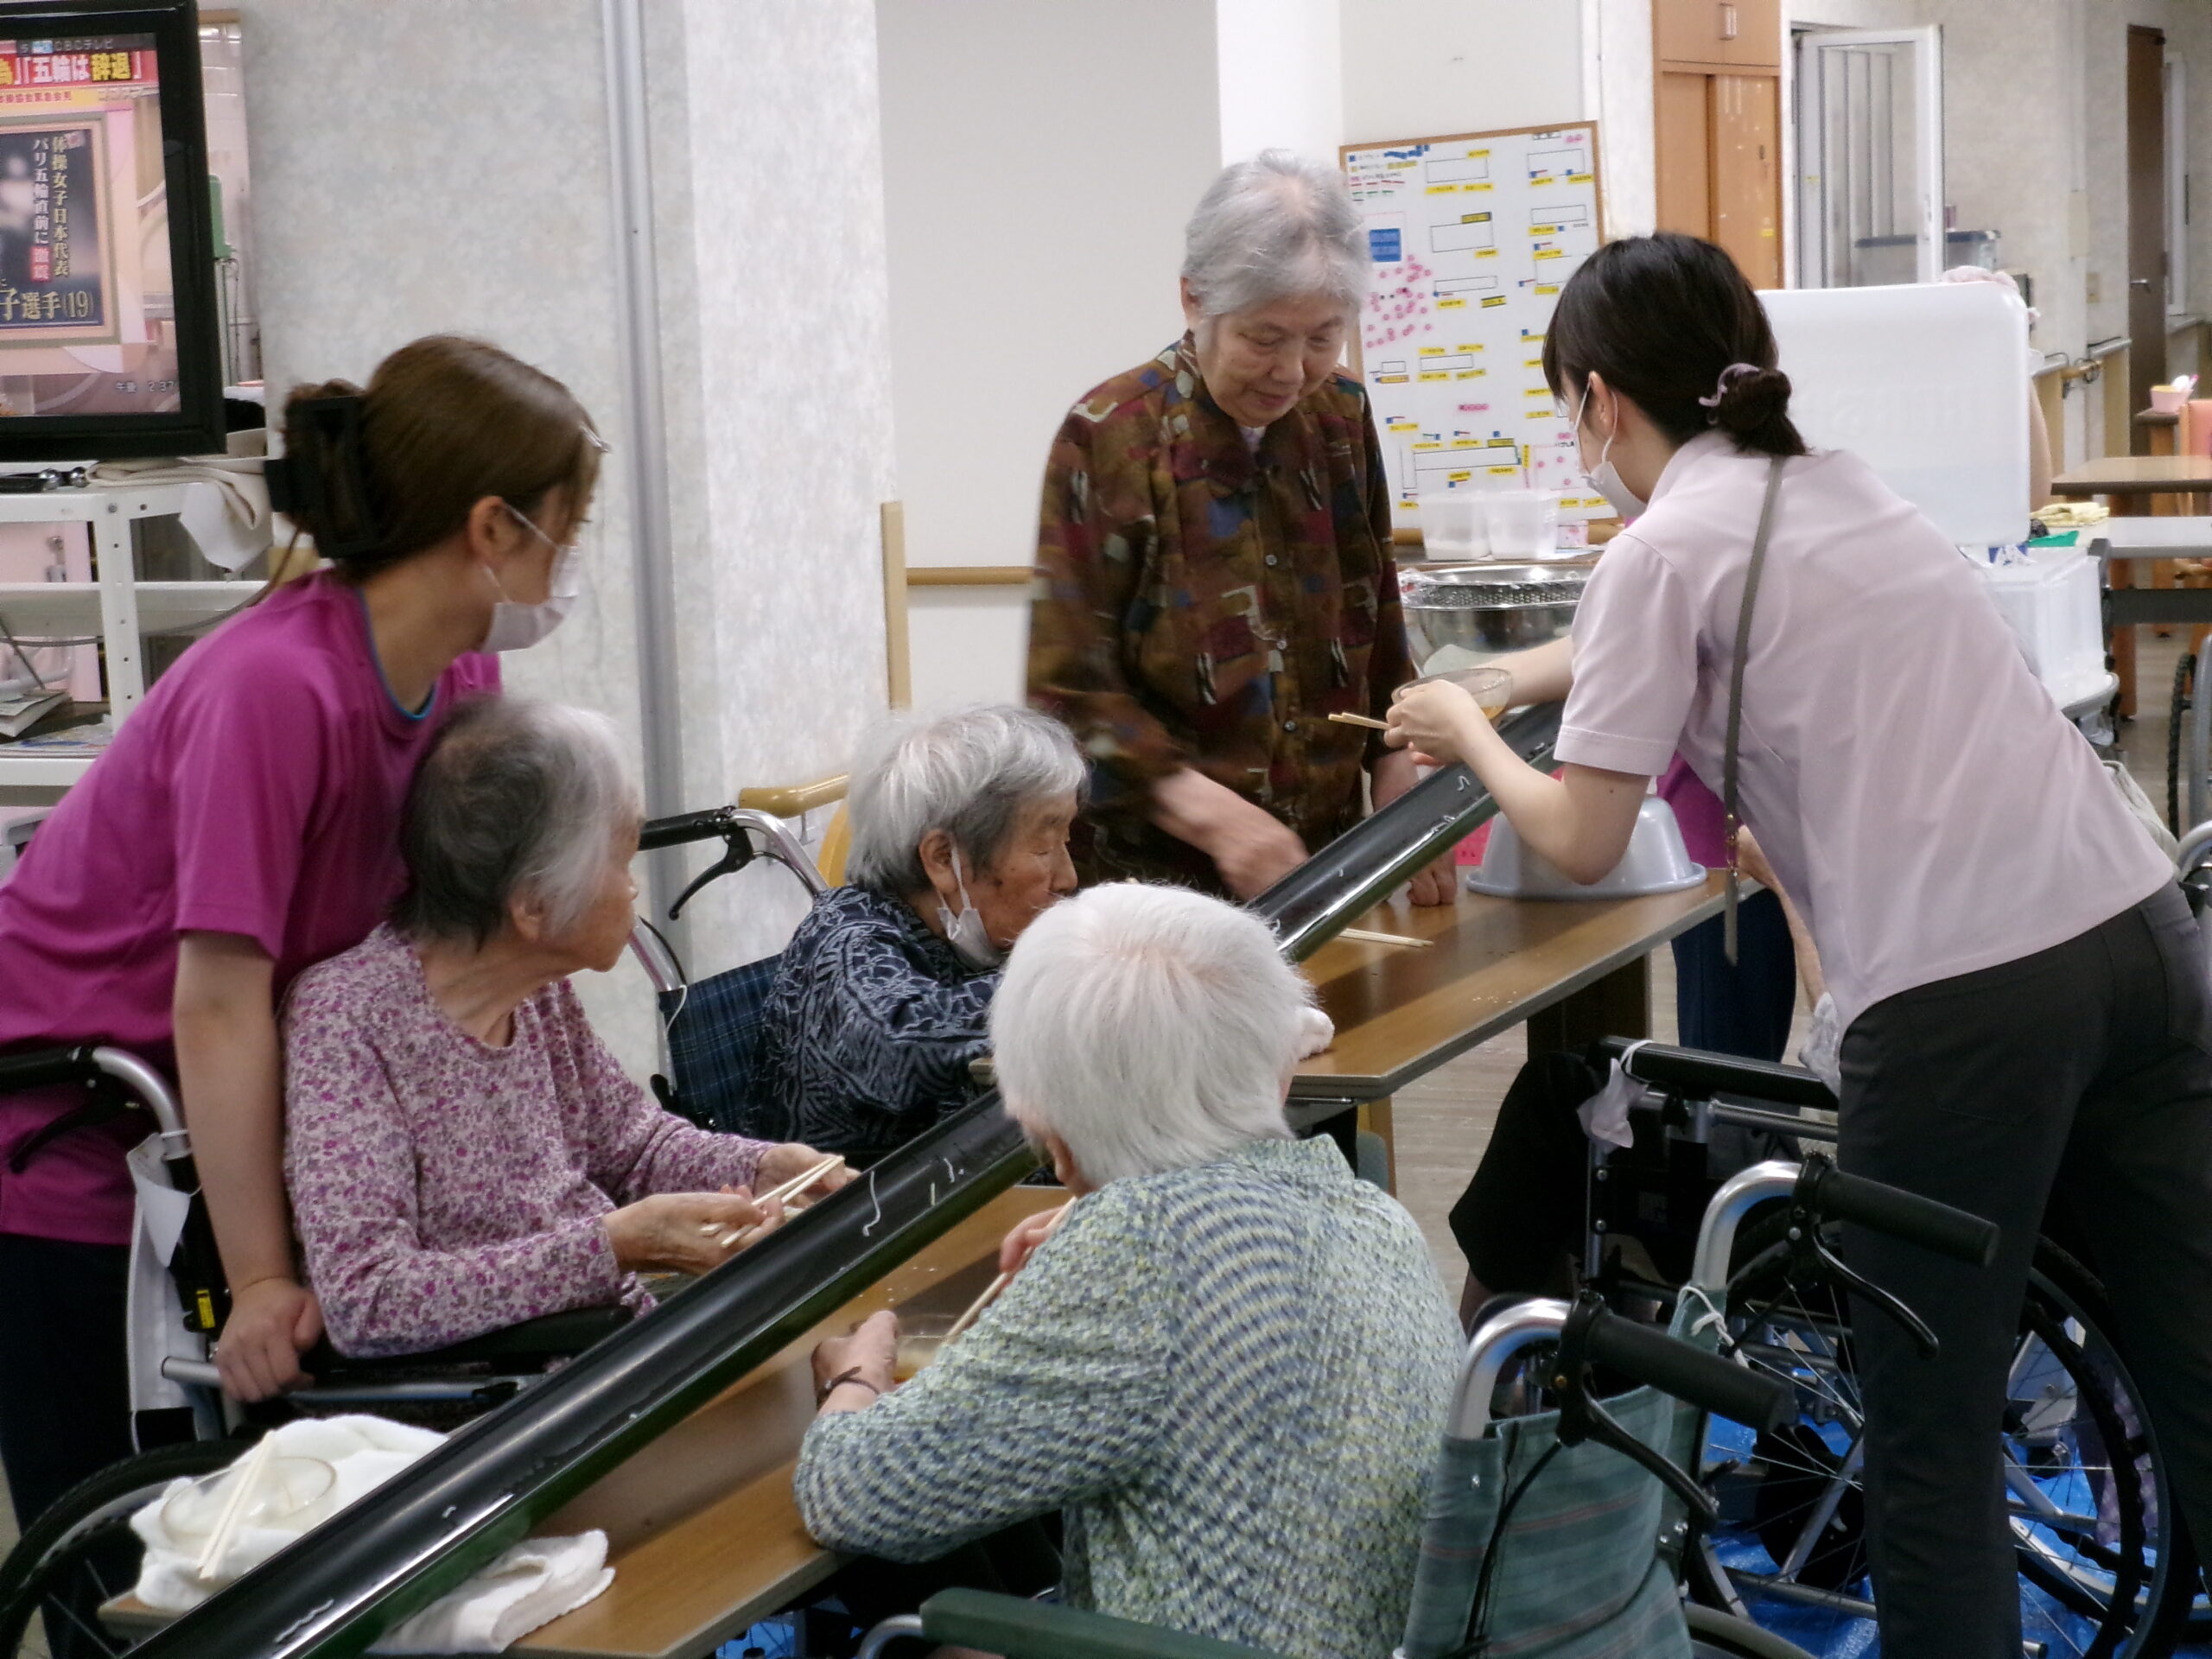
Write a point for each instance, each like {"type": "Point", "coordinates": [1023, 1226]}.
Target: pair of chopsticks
{"type": "Point", "coordinates": [782, 1194]}
{"type": "Point", "coordinates": [1369, 935]}
{"type": "Point", "coordinates": [1362, 719]}
{"type": "Point", "coordinates": [250, 1470]}
{"type": "Point", "coordinates": [991, 1291]}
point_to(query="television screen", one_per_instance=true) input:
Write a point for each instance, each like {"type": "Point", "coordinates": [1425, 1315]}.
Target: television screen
{"type": "Point", "coordinates": [108, 339]}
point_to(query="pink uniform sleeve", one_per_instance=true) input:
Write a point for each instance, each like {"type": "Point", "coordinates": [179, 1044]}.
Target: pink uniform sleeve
{"type": "Point", "coordinates": [631, 1149]}
{"type": "Point", "coordinates": [1635, 664]}
{"type": "Point", "coordinates": [349, 1165]}
{"type": "Point", "coordinates": [245, 773]}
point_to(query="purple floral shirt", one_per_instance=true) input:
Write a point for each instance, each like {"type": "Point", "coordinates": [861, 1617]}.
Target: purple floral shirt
{"type": "Point", "coordinates": [442, 1188]}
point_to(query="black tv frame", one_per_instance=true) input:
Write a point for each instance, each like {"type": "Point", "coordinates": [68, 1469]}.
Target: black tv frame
{"type": "Point", "coordinates": [196, 427]}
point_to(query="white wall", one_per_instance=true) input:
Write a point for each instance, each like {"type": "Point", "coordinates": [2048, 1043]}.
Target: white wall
{"type": "Point", "coordinates": [1039, 161]}
{"type": "Point", "coordinates": [1423, 68]}
{"type": "Point", "coordinates": [407, 179]}
{"type": "Point", "coordinates": [1281, 76]}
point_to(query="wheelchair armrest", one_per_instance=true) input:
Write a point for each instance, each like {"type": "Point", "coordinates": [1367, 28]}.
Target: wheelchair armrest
{"type": "Point", "coordinates": [556, 1335]}
{"type": "Point", "coordinates": [1698, 1073]}
{"type": "Point", "coordinates": [1036, 1629]}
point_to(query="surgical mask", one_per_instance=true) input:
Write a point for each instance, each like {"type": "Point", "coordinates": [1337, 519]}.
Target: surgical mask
{"type": "Point", "coordinates": [970, 941]}
{"type": "Point", "coordinates": [1622, 500]}
{"type": "Point", "coordinates": [517, 626]}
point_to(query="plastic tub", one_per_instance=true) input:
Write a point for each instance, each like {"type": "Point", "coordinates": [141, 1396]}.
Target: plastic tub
{"type": "Point", "coordinates": [1453, 526]}
{"type": "Point", "coordinates": [1524, 523]}
{"type": "Point", "coordinates": [1657, 861]}
{"type": "Point", "coordinates": [2054, 606]}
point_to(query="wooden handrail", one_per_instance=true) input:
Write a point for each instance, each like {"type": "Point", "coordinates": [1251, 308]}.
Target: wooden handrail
{"type": "Point", "coordinates": [968, 575]}
{"type": "Point", "coordinates": [791, 800]}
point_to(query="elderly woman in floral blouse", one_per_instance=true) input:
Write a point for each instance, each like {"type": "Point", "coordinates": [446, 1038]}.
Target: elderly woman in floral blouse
{"type": "Point", "coordinates": [462, 1153]}
{"type": "Point", "coordinates": [1214, 560]}
{"type": "Point", "coordinates": [1227, 1365]}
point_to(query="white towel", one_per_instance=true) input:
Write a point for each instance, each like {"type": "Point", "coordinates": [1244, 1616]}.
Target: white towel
{"type": "Point", "coordinates": [226, 507]}
{"type": "Point", "coordinates": [532, 1584]}
{"type": "Point", "coordinates": [537, 1580]}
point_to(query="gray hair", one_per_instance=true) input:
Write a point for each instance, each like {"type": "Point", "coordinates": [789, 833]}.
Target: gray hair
{"type": "Point", "coordinates": [1275, 227]}
{"type": "Point", "coordinates": [515, 796]}
{"type": "Point", "coordinates": [970, 773]}
{"type": "Point", "coordinates": [1150, 1027]}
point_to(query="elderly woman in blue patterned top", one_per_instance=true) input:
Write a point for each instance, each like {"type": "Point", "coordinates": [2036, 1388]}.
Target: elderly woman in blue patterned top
{"type": "Point", "coordinates": [1228, 1366]}
{"type": "Point", "coordinates": [960, 839]}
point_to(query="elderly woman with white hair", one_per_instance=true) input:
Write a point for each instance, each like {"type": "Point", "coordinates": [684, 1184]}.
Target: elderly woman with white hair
{"type": "Point", "coordinates": [462, 1153]}
{"type": "Point", "coordinates": [959, 841]}
{"type": "Point", "coordinates": [1228, 1365]}
{"type": "Point", "coordinates": [1214, 560]}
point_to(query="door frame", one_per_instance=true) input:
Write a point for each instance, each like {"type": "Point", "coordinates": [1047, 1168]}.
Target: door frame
{"type": "Point", "coordinates": [1928, 146]}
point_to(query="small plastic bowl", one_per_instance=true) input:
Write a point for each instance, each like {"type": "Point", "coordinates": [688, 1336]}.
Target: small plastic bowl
{"type": "Point", "coordinates": [920, 1338]}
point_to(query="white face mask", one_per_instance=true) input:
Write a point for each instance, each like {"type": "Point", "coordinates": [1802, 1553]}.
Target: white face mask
{"type": "Point", "coordinates": [516, 626]}
{"type": "Point", "coordinates": [965, 932]}
{"type": "Point", "coordinates": [1622, 500]}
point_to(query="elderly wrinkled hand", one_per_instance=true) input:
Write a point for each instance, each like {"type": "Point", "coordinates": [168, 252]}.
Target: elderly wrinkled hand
{"type": "Point", "coordinates": [687, 1232]}
{"type": "Point", "coordinates": [869, 1353]}
{"type": "Point", "coordinates": [1435, 720]}
{"type": "Point", "coordinates": [790, 1160]}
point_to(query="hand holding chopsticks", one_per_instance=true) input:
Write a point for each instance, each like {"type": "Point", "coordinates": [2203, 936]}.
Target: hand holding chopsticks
{"type": "Point", "coordinates": [736, 1237]}
{"type": "Point", "coordinates": [1038, 1228]}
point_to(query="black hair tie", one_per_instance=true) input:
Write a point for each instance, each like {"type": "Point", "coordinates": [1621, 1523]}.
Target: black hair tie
{"type": "Point", "coordinates": [326, 485]}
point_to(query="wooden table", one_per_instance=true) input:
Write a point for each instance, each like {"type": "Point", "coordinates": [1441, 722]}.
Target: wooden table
{"type": "Point", "coordinates": [1574, 969]}
{"type": "Point", "coordinates": [2130, 483]}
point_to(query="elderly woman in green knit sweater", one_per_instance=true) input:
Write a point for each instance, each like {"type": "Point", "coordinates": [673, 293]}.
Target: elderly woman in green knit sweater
{"type": "Point", "coordinates": [1228, 1366]}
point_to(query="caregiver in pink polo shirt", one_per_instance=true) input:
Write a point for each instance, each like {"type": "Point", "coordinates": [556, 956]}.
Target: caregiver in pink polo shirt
{"type": "Point", "coordinates": [242, 827]}
{"type": "Point", "coordinates": [2023, 993]}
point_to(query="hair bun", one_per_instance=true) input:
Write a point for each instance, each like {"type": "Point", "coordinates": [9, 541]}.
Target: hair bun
{"type": "Point", "coordinates": [1749, 397]}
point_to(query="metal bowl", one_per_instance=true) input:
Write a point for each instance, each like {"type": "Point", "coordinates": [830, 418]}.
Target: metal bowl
{"type": "Point", "coordinates": [1489, 609]}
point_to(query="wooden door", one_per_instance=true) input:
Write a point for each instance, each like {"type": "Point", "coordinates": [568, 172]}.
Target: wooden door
{"type": "Point", "coordinates": [1746, 123]}
{"type": "Point", "coordinates": [1685, 170]}
{"type": "Point", "coordinates": [1751, 34]}
{"type": "Point", "coordinates": [1734, 33]}
{"type": "Point", "coordinates": [2146, 219]}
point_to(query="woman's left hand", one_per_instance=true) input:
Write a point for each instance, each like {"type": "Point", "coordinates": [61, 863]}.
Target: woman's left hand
{"type": "Point", "coordinates": [1435, 721]}
{"type": "Point", "coordinates": [788, 1162]}
{"type": "Point", "coordinates": [869, 1351]}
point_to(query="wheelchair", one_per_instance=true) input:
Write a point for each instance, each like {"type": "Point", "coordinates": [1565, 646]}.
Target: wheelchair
{"type": "Point", "coordinates": [1563, 1532]}
{"type": "Point", "coordinates": [81, 1552]}
{"type": "Point", "coordinates": [2104, 1566]}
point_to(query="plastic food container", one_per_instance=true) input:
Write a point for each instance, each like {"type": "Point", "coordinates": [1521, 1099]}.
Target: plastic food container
{"type": "Point", "coordinates": [1485, 610]}
{"type": "Point", "coordinates": [1524, 523]}
{"type": "Point", "coordinates": [1657, 861]}
{"type": "Point", "coordinates": [1453, 526]}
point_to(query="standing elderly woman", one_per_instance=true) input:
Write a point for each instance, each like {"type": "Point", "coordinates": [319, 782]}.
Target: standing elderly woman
{"type": "Point", "coordinates": [462, 1153]}
{"type": "Point", "coordinates": [1230, 1363]}
{"type": "Point", "coordinates": [960, 839]}
{"type": "Point", "coordinates": [1213, 560]}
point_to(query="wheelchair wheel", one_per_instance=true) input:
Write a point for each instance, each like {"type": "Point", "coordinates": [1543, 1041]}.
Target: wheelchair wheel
{"type": "Point", "coordinates": [1720, 1635]}
{"type": "Point", "coordinates": [82, 1552]}
{"type": "Point", "coordinates": [2176, 713]}
{"type": "Point", "coordinates": [2104, 1568]}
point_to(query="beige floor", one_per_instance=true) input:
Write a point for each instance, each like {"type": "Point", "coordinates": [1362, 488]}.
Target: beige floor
{"type": "Point", "coordinates": [1443, 1123]}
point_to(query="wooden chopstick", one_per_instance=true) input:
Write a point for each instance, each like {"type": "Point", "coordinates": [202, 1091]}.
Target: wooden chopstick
{"type": "Point", "coordinates": [226, 1524]}
{"type": "Point", "coordinates": [991, 1291]}
{"type": "Point", "coordinates": [783, 1193]}
{"type": "Point", "coordinates": [1369, 935]}
{"type": "Point", "coordinates": [1362, 719]}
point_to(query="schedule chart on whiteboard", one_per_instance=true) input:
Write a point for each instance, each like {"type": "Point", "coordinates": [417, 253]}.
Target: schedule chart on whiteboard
{"type": "Point", "coordinates": [1471, 238]}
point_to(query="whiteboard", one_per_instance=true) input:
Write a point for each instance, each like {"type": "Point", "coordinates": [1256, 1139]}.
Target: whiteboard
{"type": "Point", "coordinates": [1471, 238]}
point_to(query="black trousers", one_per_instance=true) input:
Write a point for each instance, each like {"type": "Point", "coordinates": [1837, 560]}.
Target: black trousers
{"type": "Point", "coordinates": [2080, 1076]}
{"type": "Point", "coordinates": [65, 1387]}
{"type": "Point", "coordinates": [1743, 1008]}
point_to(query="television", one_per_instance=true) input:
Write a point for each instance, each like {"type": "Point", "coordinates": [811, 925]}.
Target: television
{"type": "Point", "coordinates": [110, 342]}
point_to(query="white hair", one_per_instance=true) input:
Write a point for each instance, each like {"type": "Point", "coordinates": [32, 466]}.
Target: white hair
{"type": "Point", "coordinates": [1150, 1027]}
{"type": "Point", "coordinates": [515, 796]}
{"type": "Point", "coordinates": [970, 773]}
{"type": "Point", "coordinates": [1275, 227]}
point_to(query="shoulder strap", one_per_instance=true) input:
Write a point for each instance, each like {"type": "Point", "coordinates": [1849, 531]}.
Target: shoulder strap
{"type": "Point", "coordinates": [1729, 756]}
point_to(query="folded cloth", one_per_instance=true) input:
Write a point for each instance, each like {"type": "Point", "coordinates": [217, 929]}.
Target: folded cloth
{"type": "Point", "coordinates": [538, 1579]}
{"type": "Point", "coordinates": [226, 512]}
{"type": "Point", "coordinates": [532, 1584]}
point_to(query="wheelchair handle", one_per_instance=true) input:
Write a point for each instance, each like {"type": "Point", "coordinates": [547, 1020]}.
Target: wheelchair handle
{"type": "Point", "coordinates": [1696, 1073]}
{"type": "Point", "coordinates": [46, 1068]}
{"type": "Point", "coordinates": [685, 827]}
{"type": "Point", "coordinates": [1718, 1387]}
{"type": "Point", "coordinates": [1835, 1196]}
